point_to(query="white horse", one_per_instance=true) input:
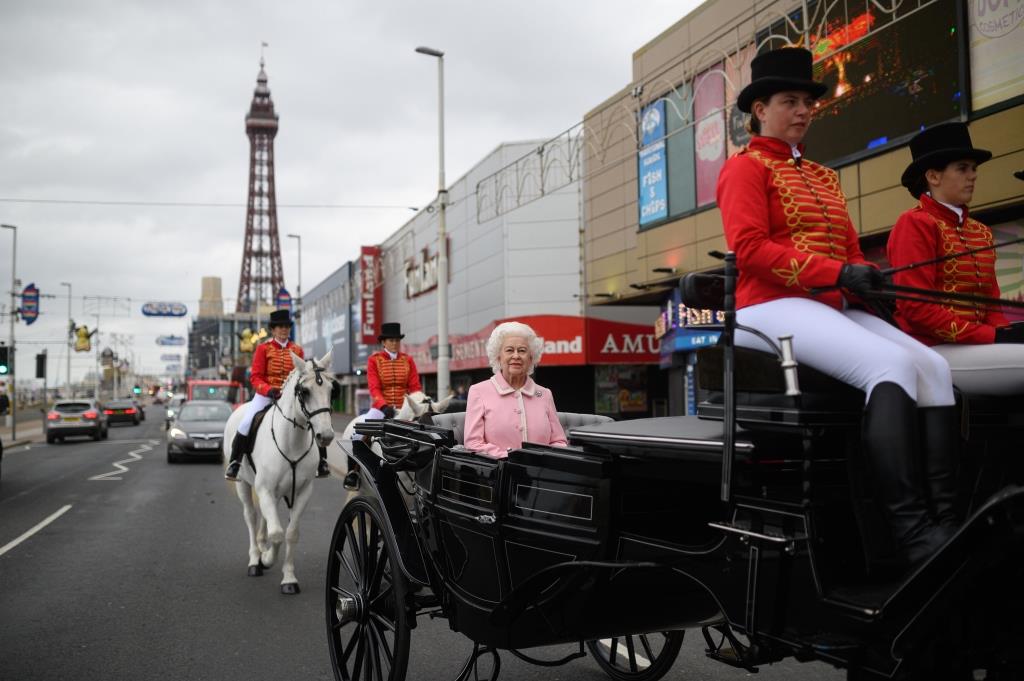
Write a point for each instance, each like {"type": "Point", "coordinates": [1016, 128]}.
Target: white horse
{"type": "Point", "coordinates": [415, 407]}
{"type": "Point", "coordinates": [285, 457]}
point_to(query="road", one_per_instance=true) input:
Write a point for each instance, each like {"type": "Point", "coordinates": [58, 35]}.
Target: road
{"type": "Point", "coordinates": [141, 574]}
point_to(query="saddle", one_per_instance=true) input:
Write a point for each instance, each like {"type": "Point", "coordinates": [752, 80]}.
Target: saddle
{"type": "Point", "coordinates": [249, 440]}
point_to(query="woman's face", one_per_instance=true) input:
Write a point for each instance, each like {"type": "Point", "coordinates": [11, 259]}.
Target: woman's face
{"type": "Point", "coordinates": [392, 344]}
{"type": "Point", "coordinates": [515, 357]}
{"type": "Point", "coordinates": [280, 332]}
{"type": "Point", "coordinates": [955, 183]}
{"type": "Point", "coordinates": [786, 115]}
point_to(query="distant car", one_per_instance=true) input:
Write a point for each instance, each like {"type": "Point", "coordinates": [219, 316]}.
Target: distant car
{"type": "Point", "coordinates": [75, 417]}
{"type": "Point", "coordinates": [173, 405]}
{"type": "Point", "coordinates": [198, 430]}
{"type": "Point", "coordinates": [122, 411]}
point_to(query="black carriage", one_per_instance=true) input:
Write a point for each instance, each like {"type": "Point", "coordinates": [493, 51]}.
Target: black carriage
{"type": "Point", "coordinates": [750, 522]}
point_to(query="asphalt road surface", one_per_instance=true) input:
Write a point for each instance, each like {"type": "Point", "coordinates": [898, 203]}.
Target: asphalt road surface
{"type": "Point", "coordinates": [116, 565]}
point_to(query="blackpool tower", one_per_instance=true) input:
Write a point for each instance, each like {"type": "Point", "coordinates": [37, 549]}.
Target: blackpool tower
{"type": "Point", "coordinates": [261, 277]}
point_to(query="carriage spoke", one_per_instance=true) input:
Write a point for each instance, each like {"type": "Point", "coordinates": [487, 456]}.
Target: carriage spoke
{"type": "Point", "coordinates": [613, 651]}
{"type": "Point", "coordinates": [359, 662]}
{"type": "Point", "coordinates": [351, 546]}
{"type": "Point", "coordinates": [364, 553]}
{"type": "Point", "coordinates": [374, 652]}
{"type": "Point", "coordinates": [382, 621]}
{"type": "Point", "coordinates": [632, 654]}
{"type": "Point", "coordinates": [375, 602]}
{"type": "Point", "coordinates": [347, 652]}
{"type": "Point", "coordinates": [647, 647]}
{"type": "Point", "coordinates": [383, 639]}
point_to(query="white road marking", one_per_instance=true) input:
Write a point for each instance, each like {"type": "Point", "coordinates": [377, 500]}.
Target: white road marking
{"type": "Point", "coordinates": [10, 545]}
{"type": "Point", "coordinates": [641, 661]}
{"type": "Point", "coordinates": [135, 455]}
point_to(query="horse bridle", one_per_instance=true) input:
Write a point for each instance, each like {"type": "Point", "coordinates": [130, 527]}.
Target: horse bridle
{"type": "Point", "coordinates": [309, 426]}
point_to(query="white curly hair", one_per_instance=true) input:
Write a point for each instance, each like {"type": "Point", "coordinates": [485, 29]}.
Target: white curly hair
{"type": "Point", "coordinates": [503, 331]}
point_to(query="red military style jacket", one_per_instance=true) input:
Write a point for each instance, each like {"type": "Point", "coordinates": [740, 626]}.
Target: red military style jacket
{"type": "Point", "coordinates": [271, 365]}
{"type": "Point", "coordinates": [931, 230]}
{"type": "Point", "coordinates": [787, 222]}
{"type": "Point", "coordinates": [390, 380]}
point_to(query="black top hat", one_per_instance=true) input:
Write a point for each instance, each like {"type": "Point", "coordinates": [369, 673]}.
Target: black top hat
{"type": "Point", "coordinates": [937, 146]}
{"type": "Point", "coordinates": [280, 318]}
{"type": "Point", "coordinates": [788, 68]}
{"type": "Point", "coordinates": [390, 330]}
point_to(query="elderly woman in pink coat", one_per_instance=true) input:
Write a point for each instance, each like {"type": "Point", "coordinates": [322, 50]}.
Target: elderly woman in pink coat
{"type": "Point", "coordinates": [509, 409]}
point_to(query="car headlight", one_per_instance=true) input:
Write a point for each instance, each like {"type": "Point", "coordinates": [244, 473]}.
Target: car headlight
{"type": "Point", "coordinates": [178, 433]}
{"type": "Point", "coordinates": [170, 413]}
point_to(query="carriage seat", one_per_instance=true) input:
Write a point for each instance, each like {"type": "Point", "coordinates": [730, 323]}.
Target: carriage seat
{"type": "Point", "coordinates": [456, 422]}
{"type": "Point", "coordinates": [761, 391]}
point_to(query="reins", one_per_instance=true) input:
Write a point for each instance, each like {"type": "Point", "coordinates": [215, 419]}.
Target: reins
{"type": "Point", "coordinates": [289, 500]}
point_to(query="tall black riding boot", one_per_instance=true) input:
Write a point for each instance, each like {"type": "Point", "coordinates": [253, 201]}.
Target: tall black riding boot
{"type": "Point", "coordinates": [352, 477]}
{"type": "Point", "coordinates": [322, 471]}
{"type": "Point", "coordinates": [889, 434]}
{"type": "Point", "coordinates": [237, 452]}
{"type": "Point", "coordinates": [940, 449]}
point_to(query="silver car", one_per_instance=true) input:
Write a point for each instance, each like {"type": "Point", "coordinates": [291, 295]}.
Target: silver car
{"type": "Point", "coordinates": [198, 430]}
{"type": "Point", "coordinates": [76, 417]}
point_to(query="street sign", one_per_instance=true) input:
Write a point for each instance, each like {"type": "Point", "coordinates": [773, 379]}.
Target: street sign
{"type": "Point", "coordinates": [164, 309]}
{"type": "Point", "coordinates": [170, 340]}
{"type": "Point", "coordinates": [30, 304]}
{"type": "Point", "coordinates": [283, 299]}
{"type": "Point", "coordinates": [170, 357]}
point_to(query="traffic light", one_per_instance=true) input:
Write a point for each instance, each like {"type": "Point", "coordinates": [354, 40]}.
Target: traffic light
{"type": "Point", "coordinates": [41, 365]}
{"type": "Point", "coordinates": [137, 390]}
{"type": "Point", "coordinates": [5, 365]}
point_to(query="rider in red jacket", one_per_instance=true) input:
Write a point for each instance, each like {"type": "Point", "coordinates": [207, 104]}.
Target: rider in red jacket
{"type": "Point", "coordinates": [271, 364]}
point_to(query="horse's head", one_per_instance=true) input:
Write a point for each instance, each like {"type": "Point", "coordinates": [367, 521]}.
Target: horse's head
{"type": "Point", "coordinates": [420, 407]}
{"type": "Point", "coordinates": [309, 391]}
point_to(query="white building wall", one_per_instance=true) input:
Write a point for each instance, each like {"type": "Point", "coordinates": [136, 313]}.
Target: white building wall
{"type": "Point", "coordinates": [524, 262]}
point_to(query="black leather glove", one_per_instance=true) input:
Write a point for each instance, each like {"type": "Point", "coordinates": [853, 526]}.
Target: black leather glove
{"type": "Point", "coordinates": [1014, 333]}
{"type": "Point", "coordinates": [389, 411]}
{"type": "Point", "coordinates": [860, 279]}
{"type": "Point", "coordinates": [274, 394]}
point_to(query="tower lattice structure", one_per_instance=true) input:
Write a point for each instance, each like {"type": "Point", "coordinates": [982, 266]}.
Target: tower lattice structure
{"type": "Point", "coordinates": [261, 277]}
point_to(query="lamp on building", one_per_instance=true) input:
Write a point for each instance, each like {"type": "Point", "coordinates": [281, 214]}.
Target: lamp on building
{"type": "Point", "coordinates": [606, 295]}
{"type": "Point", "coordinates": [443, 376]}
{"type": "Point", "coordinates": [640, 287]}
{"type": "Point", "coordinates": [664, 270]}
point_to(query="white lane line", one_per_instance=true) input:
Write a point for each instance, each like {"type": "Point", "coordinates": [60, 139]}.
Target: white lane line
{"type": "Point", "coordinates": [135, 455]}
{"type": "Point", "coordinates": [10, 545]}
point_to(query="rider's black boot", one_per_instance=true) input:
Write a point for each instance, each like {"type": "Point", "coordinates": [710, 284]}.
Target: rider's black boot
{"type": "Point", "coordinates": [940, 445]}
{"type": "Point", "coordinates": [237, 451]}
{"type": "Point", "coordinates": [352, 477]}
{"type": "Point", "coordinates": [322, 471]}
{"type": "Point", "coordinates": [889, 434]}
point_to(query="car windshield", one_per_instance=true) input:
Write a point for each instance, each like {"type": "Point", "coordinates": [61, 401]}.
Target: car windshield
{"type": "Point", "coordinates": [72, 407]}
{"type": "Point", "coordinates": [205, 412]}
{"type": "Point", "coordinates": [121, 404]}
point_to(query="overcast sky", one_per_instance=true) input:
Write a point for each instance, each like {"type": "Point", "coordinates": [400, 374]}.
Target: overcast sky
{"type": "Point", "coordinates": [117, 100]}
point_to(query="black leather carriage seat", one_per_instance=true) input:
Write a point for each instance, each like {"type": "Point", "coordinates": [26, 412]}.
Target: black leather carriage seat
{"type": "Point", "coordinates": [761, 392]}
{"type": "Point", "coordinates": [456, 422]}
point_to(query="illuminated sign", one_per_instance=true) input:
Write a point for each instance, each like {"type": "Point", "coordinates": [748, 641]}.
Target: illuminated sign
{"type": "Point", "coordinates": [164, 309]}
{"type": "Point", "coordinates": [652, 175]}
{"type": "Point", "coordinates": [370, 297]}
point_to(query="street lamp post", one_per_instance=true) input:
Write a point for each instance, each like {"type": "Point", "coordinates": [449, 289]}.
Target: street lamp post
{"type": "Point", "coordinates": [71, 337]}
{"type": "Point", "coordinates": [298, 292]}
{"type": "Point", "coordinates": [443, 376]}
{"type": "Point", "coordinates": [13, 413]}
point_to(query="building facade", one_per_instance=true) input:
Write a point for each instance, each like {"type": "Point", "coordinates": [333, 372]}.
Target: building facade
{"type": "Point", "coordinates": [653, 149]}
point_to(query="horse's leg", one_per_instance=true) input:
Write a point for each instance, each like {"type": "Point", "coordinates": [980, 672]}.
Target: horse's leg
{"type": "Point", "coordinates": [267, 552]}
{"type": "Point", "coordinates": [244, 492]}
{"type": "Point", "coordinates": [268, 507]}
{"type": "Point", "coordinates": [289, 584]}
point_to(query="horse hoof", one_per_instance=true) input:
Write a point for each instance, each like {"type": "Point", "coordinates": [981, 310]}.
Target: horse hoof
{"type": "Point", "coordinates": [290, 589]}
{"type": "Point", "coordinates": [255, 570]}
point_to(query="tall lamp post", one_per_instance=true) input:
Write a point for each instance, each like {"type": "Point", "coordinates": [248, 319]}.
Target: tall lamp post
{"type": "Point", "coordinates": [71, 337]}
{"type": "Point", "coordinates": [443, 376]}
{"type": "Point", "coordinates": [298, 291]}
{"type": "Point", "coordinates": [13, 413]}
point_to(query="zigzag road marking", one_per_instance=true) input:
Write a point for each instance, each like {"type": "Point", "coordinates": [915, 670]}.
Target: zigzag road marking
{"type": "Point", "coordinates": [135, 455]}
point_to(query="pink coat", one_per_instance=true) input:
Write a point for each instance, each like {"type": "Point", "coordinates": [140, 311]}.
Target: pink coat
{"type": "Point", "coordinates": [500, 418]}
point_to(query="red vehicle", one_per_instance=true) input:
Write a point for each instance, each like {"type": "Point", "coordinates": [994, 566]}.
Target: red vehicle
{"type": "Point", "coordinates": [210, 389]}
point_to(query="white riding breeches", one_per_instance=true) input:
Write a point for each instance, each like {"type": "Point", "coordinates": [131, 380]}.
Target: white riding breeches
{"type": "Point", "coordinates": [852, 346]}
{"type": "Point", "coordinates": [996, 369]}
{"type": "Point", "coordinates": [252, 408]}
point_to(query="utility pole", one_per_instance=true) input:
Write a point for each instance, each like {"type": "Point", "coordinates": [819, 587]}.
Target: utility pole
{"type": "Point", "coordinates": [71, 339]}
{"type": "Point", "coordinates": [12, 415]}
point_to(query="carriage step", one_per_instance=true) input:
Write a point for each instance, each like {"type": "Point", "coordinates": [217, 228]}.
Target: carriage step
{"type": "Point", "coordinates": [827, 644]}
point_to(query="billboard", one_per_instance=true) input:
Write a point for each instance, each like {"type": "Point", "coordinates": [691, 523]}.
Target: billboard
{"type": "Point", "coordinates": [164, 309]}
{"type": "Point", "coordinates": [369, 295]}
{"type": "Point", "coordinates": [996, 33]}
{"type": "Point", "coordinates": [709, 132]}
{"type": "Point", "coordinates": [29, 304]}
{"type": "Point", "coordinates": [653, 183]}
{"type": "Point", "coordinates": [170, 340]}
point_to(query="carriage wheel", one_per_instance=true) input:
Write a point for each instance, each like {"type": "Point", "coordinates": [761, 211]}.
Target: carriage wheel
{"type": "Point", "coordinates": [637, 657]}
{"type": "Point", "coordinates": [367, 619]}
